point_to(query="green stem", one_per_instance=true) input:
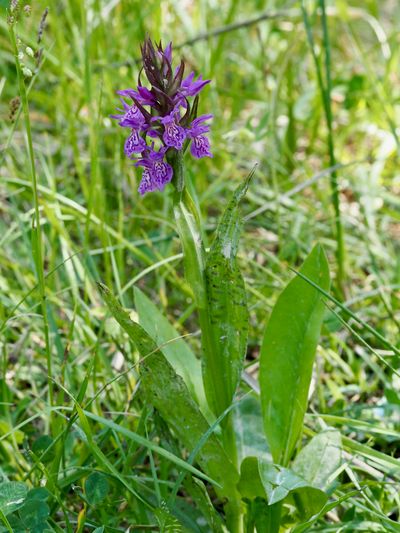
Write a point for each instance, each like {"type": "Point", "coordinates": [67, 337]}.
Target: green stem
{"type": "Point", "coordinates": [326, 100]}
{"type": "Point", "coordinates": [340, 251]}
{"type": "Point", "coordinates": [194, 255]}
{"type": "Point", "coordinates": [38, 251]}
{"type": "Point", "coordinates": [188, 223]}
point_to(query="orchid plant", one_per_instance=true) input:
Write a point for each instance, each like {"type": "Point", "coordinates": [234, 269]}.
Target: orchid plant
{"type": "Point", "coordinates": [261, 487]}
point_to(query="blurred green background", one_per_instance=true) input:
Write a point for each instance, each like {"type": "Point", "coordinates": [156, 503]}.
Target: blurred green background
{"type": "Point", "coordinates": [268, 110]}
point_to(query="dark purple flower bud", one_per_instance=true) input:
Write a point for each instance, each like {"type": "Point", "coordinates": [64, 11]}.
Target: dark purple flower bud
{"type": "Point", "coordinates": [168, 52]}
{"type": "Point", "coordinates": [145, 97]}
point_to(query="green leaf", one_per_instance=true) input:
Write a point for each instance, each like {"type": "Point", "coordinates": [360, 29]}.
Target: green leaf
{"type": "Point", "coordinates": [249, 431]}
{"type": "Point", "coordinates": [40, 448]}
{"type": "Point", "coordinates": [12, 496]}
{"type": "Point", "coordinates": [227, 308]}
{"type": "Point", "coordinates": [39, 493]}
{"type": "Point", "coordinates": [167, 392]}
{"type": "Point", "coordinates": [96, 488]}
{"type": "Point", "coordinates": [34, 514]}
{"type": "Point", "coordinates": [320, 458]}
{"type": "Point", "coordinates": [288, 353]}
{"type": "Point", "coordinates": [266, 517]}
{"type": "Point", "coordinates": [262, 479]}
{"type": "Point", "coordinates": [177, 352]}
{"type": "Point", "coordinates": [167, 521]}
{"type": "Point", "coordinates": [250, 485]}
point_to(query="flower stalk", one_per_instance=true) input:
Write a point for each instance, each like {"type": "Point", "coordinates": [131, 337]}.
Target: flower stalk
{"type": "Point", "coordinates": [188, 224]}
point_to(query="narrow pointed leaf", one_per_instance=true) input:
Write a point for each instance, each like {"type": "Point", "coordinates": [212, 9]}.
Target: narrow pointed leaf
{"type": "Point", "coordinates": [198, 492]}
{"type": "Point", "coordinates": [227, 307]}
{"type": "Point", "coordinates": [288, 353]}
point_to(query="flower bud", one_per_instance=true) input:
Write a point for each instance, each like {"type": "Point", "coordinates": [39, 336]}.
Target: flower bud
{"type": "Point", "coordinates": [27, 72]}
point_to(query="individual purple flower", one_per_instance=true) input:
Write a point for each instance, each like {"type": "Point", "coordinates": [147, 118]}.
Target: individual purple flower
{"type": "Point", "coordinates": [189, 87]}
{"type": "Point", "coordinates": [157, 173]}
{"type": "Point", "coordinates": [143, 96]}
{"type": "Point", "coordinates": [130, 116]}
{"type": "Point", "coordinates": [134, 144]}
{"type": "Point", "coordinates": [174, 135]}
{"type": "Point", "coordinates": [200, 146]}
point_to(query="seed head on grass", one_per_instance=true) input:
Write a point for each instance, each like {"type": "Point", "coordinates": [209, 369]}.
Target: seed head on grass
{"type": "Point", "coordinates": [161, 118]}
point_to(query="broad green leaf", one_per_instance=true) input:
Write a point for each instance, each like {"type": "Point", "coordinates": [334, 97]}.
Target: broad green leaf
{"type": "Point", "coordinates": [320, 458]}
{"type": "Point", "coordinates": [96, 488]}
{"type": "Point", "coordinates": [39, 493]}
{"type": "Point", "coordinates": [262, 479]}
{"type": "Point", "coordinates": [248, 424]}
{"type": "Point", "coordinates": [266, 517]}
{"type": "Point", "coordinates": [34, 514]}
{"type": "Point", "coordinates": [288, 353]}
{"type": "Point", "coordinates": [250, 485]}
{"type": "Point", "coordinates": [178, 353]}
{"type": "Point", "coordinates": [167, 392]}
{"type": "Point", "coordinates": [227, 310]}
{"type": "Point", "coordinates": [12, 496]}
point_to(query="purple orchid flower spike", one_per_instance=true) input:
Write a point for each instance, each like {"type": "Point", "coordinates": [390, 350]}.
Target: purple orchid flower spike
{"type": "Point", "coordinates": [162, 114]}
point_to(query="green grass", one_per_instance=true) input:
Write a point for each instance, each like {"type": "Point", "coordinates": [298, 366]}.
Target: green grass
{"type": "Point", "coordinates": [68, 371]}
